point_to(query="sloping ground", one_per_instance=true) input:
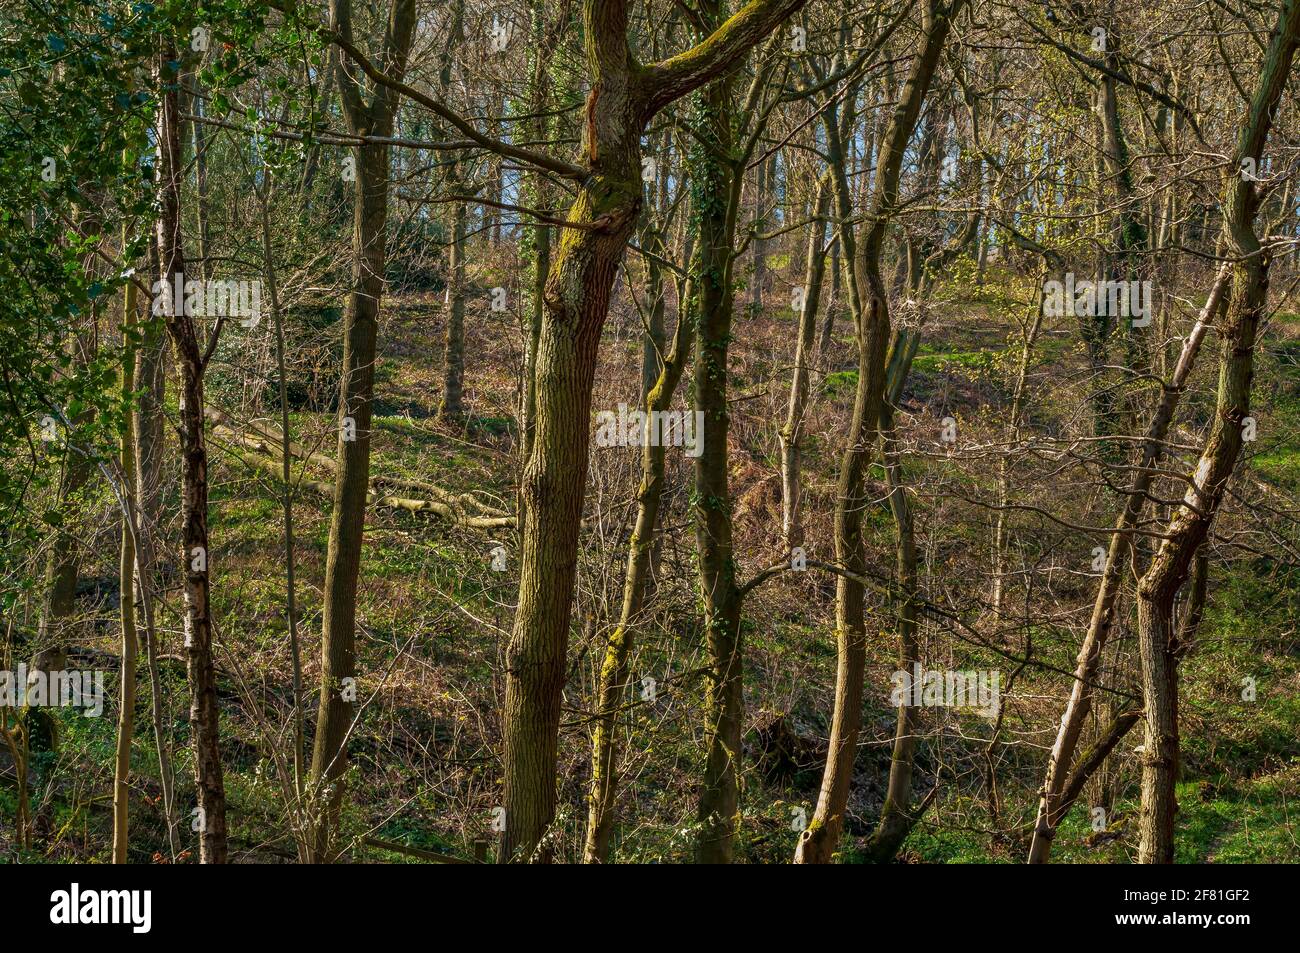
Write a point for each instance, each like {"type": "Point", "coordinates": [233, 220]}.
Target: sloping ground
{"type": "Point", "coordinates": [434, 615]}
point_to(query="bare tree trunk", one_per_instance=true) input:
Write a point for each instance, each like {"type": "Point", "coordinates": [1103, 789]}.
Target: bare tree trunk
{"type": "Point", "coordinates": [613, 680]}
{"type": "Point", "coordinates": [792, 432]}
{"type": "Point", "coordinates": [819, 841]}
{"type": "Point", "coordinates": [195, 552]}
{"type": "Point", "coordinates": [126, 591]}
{"type": "Point", "coordinates": [1052, 808]}
{"type": "Point", "coordinates": [356, 396]}
{"type": "Point", "coordinates": [577, 296]}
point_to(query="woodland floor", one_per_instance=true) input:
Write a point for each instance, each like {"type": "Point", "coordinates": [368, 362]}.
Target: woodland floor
{"type": "Point", "coordinates": [434, 619]}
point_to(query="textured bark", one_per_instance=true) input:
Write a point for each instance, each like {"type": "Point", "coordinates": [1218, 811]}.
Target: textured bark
{"type": "Point", "coordinates": [576, 301]}
{"type": "Point", "coordinates": [356, 395]}
{"type": "Point", "coordinates": [1160, 754]}
{"type": "Point", "coordinates": [715, 180]}
{"type": "Point", "coordinates": [897, 816]}
{"type": "Point", "coordinates": [1187, 529]}
{"type": "Point", "coordinates": [613, 680]}
{"type": "Point", "coordinates": [818, 842]}
{"type": "Point", "coordinates": [792, 433]}
{"type": "Point", "coordinates": [196, 554]}
{"type": "Point", "coordinates": [622, 99]}
{"type": "Point", "coordinates": [453, 373]}
{"type": "Point", "coordinates": [1052, 807]}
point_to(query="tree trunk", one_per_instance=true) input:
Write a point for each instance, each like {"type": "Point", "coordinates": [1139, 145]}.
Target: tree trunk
{"type": "Point", "coordinates": [1190, 524]}
{"type": "Point", "coordinates": [792, 432]}
{"type": "Point", "coordinates": [151, 384]}
{"type": "Point", "coordinates": [453, 375]}
{"type": "Point", "coordinates": [551, 492]}
{"type": "Point", "coordinates": [578, 289]}
{"type": "Point", "coordinates": [819, 841]}
{"type": "Point", "coordinates": [126, 591]}
{"type": "Point", "coordinates": [1052, 807]}
{"type": "Point", "coordinates": [713, 174]}
{"type": "Point", "coordinates": [613, 679]}
{"type": "Point", "coordinates": [356, 395]}
{"type": "Point", "coordinates": [660, 375]}
{"type": "Point", "coordinates": [897, 816]}
{"type": "Point", "coordinates": [195, 551]}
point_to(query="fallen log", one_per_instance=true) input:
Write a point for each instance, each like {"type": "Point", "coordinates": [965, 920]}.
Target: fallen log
{"type": "Point", "coordinates": [262, 449]}
{"type": "Point", "coordinates": [382, 500]}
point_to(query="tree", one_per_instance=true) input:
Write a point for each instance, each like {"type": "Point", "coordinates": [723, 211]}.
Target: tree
{"type": "Point", "coordinates": [821, 838]}
{"type": "Point", "coordinates": [1187, 528]}
{"type": "Point", "coordinates": [623, 99]}
{"type": "Point", "coordinates": [356, 396]}
{"type": "Point", "coordinates": [195, 553]}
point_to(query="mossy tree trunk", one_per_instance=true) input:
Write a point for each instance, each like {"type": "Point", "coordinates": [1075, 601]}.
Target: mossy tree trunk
{"type": "Point", "coordinates": [623, 98]}
{"type": "Point", "coordinates": [356, 394]}
{"type": "Point", "coordinates": [1187, 529]}
{"type": "Point", "coordinates": [819, 841]}
{"type": "Point", "coordinates": [613, 680]}
{"type": "Point", "coordinates": [715, 186]}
